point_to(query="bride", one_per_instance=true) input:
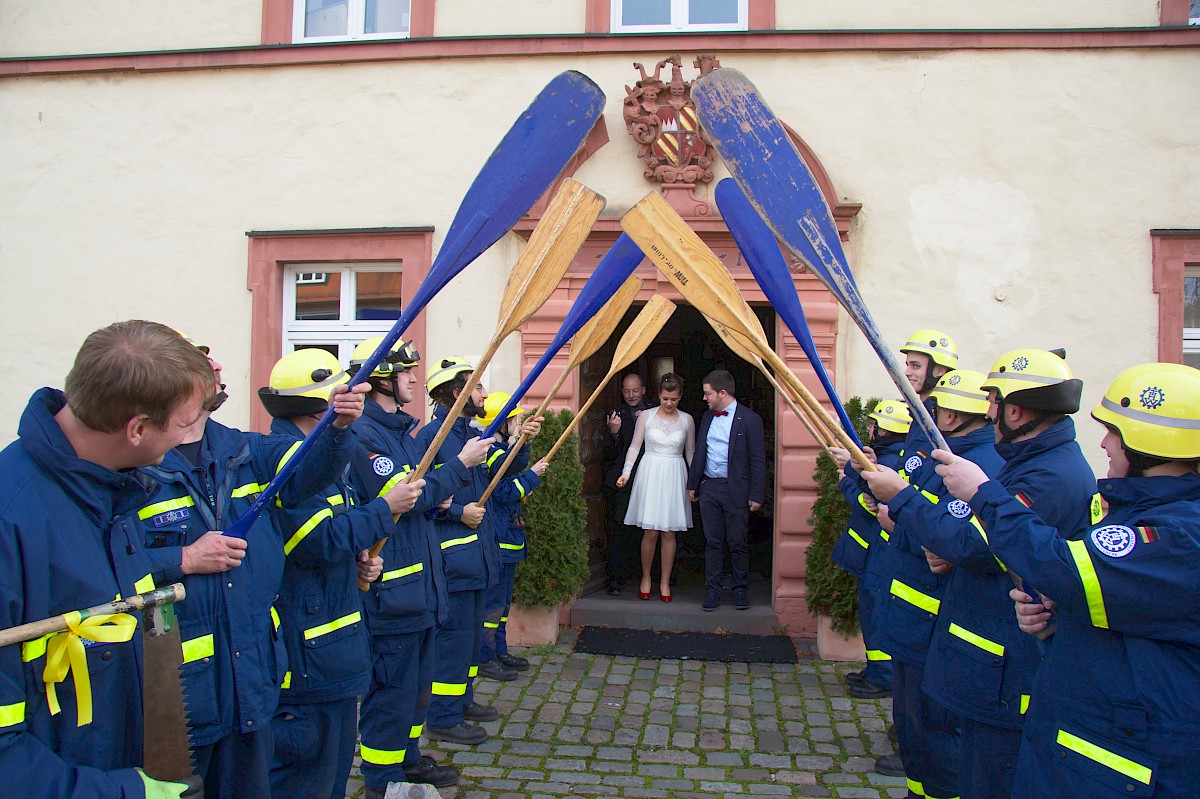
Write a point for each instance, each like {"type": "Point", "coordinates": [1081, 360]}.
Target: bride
{"type": "Point", "coordinates": [658, 502]}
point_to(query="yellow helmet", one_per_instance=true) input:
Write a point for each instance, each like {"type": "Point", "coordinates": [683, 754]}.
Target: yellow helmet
{"type": "Point", "coordinates": [934, 343]}
{"type": "Point", "coordinates": [445, 370]}
{"type": "Point", "coordinates": [1155, 407]}
{"type": "Point", "coordinates": [403, 356]}
{"type": "Point", "coordinates": [300, 383]}
{"type": "Point", "coordinates": [1035, 379]}
{"type": "Point", "coordinates": [202, 347]}
{"type": "Point", "coordinates": [493, 405]}
{"type": "Point", "coordinates": [892, 415]}
{"type": "Point", "coordinates": [960, 391]}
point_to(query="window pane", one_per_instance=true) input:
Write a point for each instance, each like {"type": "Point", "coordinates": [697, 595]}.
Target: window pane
{"type": "Point", "coordinates": [1191, 300]}
{"type": "Point", "coordinates": [646, 12]}
{"type": "Point", "coordinates": [318, 297]}
{"type": "Point", "coordinates": [712, 12]}
{"type": "Point", "coordinates": [378, 295]}
{"type": "Point", "coordinates": [1192, 359]}
{"type": "Point", "coordinates": [332, 349]}
{"type": "Point", "coordinates": [325, 17]}
{"type": "Point", "coordinates": [387, 16]}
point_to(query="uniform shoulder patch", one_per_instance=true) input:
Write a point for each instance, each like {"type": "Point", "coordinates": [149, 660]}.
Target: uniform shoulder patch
{"type": "Point", "coordinates": [959, 509]}
{"type": "Point", "coordinates": [1114, 540]}
{"type": "Point", "coordinates": [382, 465]}
{"type": "Point", "coordinates": [171, 517]}
{"type": "Point", "coordinates": [912, 464]}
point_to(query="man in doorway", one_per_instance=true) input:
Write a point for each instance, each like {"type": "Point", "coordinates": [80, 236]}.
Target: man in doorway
{"type": "Point", "coordinates": [623, 537]}
{"type": "Point", "coordinates": [728, 478]}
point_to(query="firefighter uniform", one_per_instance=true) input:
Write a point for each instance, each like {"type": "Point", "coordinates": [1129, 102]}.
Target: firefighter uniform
{"type": "Point", "coordinates": [506, 503]}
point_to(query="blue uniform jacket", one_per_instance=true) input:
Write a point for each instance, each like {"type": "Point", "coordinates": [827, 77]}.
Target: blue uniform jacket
{"type": "Point", "coordinates": [862, 531]}
{"type": "Point", "coordinates": [906, 617]}
{"type": "Point", "coordinates": [471, 557]}
{"type": "Point", "coordinates": [410, 595]}
{"type": "Point", "coordinates": [234, 659]}
{"type": "Point", "coordinates": [319, 604]}
{"type": "Point", "coordinates": [981, 665]}
{"type": "Point", "coordinates": [1116, 703]}
{"type": "Point", "coordinates": [506, 502]}
{"type": "Point", "coordinates": [69, 539]}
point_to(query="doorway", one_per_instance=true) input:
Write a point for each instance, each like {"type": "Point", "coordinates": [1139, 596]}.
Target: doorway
{"type": "Point", "coordinates": [688, 346]}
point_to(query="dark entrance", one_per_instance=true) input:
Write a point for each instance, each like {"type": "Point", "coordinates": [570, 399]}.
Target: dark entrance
{"type": "Point", "coordinates": [689, 347]}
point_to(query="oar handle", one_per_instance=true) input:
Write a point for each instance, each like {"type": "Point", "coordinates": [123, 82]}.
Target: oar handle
{"type": "Point", "coordinates": [55, 624]}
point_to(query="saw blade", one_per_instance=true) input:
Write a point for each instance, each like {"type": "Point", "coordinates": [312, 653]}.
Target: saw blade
{"type": "Point", "coordinates": [166, 751]}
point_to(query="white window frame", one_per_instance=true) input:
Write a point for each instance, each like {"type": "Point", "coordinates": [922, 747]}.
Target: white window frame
{"type": "Point", "coordinates": [356, 14]}
{"type": "Point", "coordinates": [679, 11]}
{"type": "Point", "coordinates": [345, 333]}
{"type": "Point", "coordinates": [1191, 335]}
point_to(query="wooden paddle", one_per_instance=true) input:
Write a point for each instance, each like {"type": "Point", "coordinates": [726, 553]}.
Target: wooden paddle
{"type": "Point", "coordinates": [590, 338]}
{"type": "Point", "coordinates": [701, 278]}
{"type": "Point", "coordinates": [640, 334]}
{"type": "Point", "coordinates": [558, 236]}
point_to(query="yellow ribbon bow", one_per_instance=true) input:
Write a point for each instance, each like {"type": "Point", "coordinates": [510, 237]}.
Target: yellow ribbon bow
{"type": "Point", "coordinates": [65, 653]}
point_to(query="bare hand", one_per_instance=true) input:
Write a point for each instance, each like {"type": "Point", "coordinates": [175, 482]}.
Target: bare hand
{"type": "Point", "coordinates": [692, 496]}
{"type": "Point", "coordinates": [1033, 617]}
{"type": "Point", "coordinates": [403, 496]}
{"type": "Point", "coordinates": [614, 423]}
{"type": "Point", "coordinates": [475, 451]}
{"type": "Point", "coordinates": [937, 565]}
{"type": "Point", "coordinates": [348, 403]}
{"type": "Point", "coordinates": [884, 483]}
{"type": "Point", "coordinates": [754, 506]}
{"type": "Point", "coordinates": [840, 456]}
{"type": "Point", "coordinates": [540, 467]}
{"type": "Point", "coordinates": [962, 477]}
{"type": "Point", "coordinates": [622, 481]}
{"type": "Point", "coordinates": [531, 427]}
{"type": "Point", "coordinates": [870, 453]}
{"type": "Point", "coordinates": [445, 505]}
{"type": "Point", "coordinates": [213, 553]}
{"type": "Point", "coordinates": [472, 514]}
{"type": "Point", "coordinates": [885, 518]}
{"type": "Point", "coordinates": [369, 568]}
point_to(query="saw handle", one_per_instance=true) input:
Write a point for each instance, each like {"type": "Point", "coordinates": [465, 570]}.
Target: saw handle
{"type": "Point", "coordinates": [56, 624]}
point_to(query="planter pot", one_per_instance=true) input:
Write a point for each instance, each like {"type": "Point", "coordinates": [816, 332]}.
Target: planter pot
{"type": "Point", "coordinates": [832, 645]}
{"type": "Point", "coordinates": [531, 626]}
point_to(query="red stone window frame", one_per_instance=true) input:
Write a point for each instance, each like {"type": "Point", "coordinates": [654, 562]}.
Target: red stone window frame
{"type": "Point", "coordinates": [1173, 251]}
{"type": "Point", "coordinates": [761, 15]}
{"type": "Point", "coordinates": [272, 251]}
{"type": "Point", "coordinates": [277, 20]}
{"type": "Point", "coordinates": [1172, 13]}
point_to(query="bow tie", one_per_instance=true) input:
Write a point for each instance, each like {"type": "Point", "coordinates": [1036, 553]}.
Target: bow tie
{"type": "Point", "coordinates": [720, 413]}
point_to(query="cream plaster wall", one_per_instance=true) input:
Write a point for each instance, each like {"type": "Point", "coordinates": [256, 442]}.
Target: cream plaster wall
{"type": "Point", "coordinates": [508, 17]}
{"type": "Point", "coordinates": [59, 27]}
{"type": "Point", "coordinates": [950, 14]}
{"type": "Point", "coordinates": [1033, 175]}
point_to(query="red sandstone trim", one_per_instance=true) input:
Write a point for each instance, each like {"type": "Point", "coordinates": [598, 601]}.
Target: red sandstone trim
{"type": "Point", "coordinates": [1173, 12]}
{"type": "Point", "coordinates": [1172, 253]}
{"type": "Point", "coordinates": [595, 44]}
{"type": "Point", "coordinates": [277, 20]}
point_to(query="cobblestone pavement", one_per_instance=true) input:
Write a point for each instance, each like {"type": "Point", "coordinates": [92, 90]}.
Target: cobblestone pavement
{"type": "Point", "coordinates": [597, 725]}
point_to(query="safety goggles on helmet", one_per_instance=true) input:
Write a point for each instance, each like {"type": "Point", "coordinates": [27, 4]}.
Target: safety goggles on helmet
{"type": "Point", "coordinates": [402, 357]}
{"type": "Point", "coordinates": [1155, 408]}
{"type": "Point", "coordinates": [892, 416]}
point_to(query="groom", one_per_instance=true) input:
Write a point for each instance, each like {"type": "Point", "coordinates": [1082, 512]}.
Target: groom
{"type": "Point", "coordinates": [728, 476]}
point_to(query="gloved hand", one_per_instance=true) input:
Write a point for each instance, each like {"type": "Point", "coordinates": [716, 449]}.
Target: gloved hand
{"type": "Point", "coordinates": [159, 789]}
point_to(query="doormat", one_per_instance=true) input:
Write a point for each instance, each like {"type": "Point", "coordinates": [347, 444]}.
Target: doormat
{"type": "Point", "coordinates": [725, 647]}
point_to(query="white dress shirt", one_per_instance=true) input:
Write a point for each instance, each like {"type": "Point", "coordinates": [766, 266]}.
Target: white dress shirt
{"type": "Point", "coordinates": [716, 462]}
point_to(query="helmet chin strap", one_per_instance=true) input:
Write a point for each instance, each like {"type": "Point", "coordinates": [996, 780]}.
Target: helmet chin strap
{"type": "Point", "coordinates": [1007, 433]}
{"type": "Point", "coordinates": [392, 384]}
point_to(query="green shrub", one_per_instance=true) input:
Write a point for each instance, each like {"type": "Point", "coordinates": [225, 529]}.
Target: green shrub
{"type": "Point", "coordinates": [555, 523]}
{"type": "Point", "coordinates": [831, 590]}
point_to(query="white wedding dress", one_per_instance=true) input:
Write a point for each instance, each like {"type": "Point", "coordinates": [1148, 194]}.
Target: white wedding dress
{"type": "Point", "coordinates": [659, 499]}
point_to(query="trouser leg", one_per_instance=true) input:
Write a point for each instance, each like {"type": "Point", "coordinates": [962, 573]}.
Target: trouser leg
{"type": "Point", "coordinates": [314, 748]}
{"type": "Point", "coordinates": [879, 663]}
{"type": "Point", "coordinates": [989, 755]}
{"type": "Point", "coordinates": [390, 705]}
{"type": "Point", "coordinates": [476, 610]}
{"type": "Point", "coordinates": [493, 610]}
{"type": "Point", "coordinates": [508, 576]}
{"type": "Point", "coordinates": [454, 646]}
{"type": "Point", "coordinates": [237, 765]}
{"type": "Point", "coordinates": [712, 513]}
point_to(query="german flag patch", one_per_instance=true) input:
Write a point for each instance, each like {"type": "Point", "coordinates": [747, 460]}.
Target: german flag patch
{"type": "Point", "coordinates": [1023, 499]}
{"type": "Point", "coordinates": [1147, 534]}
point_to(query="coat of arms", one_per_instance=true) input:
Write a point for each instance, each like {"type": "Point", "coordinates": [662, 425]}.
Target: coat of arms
{"type": "Point", "coordinates": [662, 120]}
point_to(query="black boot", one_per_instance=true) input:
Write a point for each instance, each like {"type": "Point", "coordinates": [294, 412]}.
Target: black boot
{"type": "Point", "coordinates": [427, 770]}
{"type": "Point", "coordinates": [513, 662]}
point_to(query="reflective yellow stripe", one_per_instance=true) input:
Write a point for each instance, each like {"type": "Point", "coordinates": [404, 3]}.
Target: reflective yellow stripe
{"type": "Point", "coordinates": [32, 650]}
{"type": "Point", "coordinates": [1097, 509]}
{"type": "Point", "coordinates": [1121, 765]}
{"type": "Point", "coordinates": [164, 506]}
{"type": "Point", "coordinates": [416, 730]}
{"type": "Point", "coordinates": [449, 688]}
{"type": "Point", "coordinates": [914, 597]}
{"type": "Point", "coordinates": [916, 787]}
{"type": "Point", "coordinates": [248, 489]}
{"type": "Point", "coordinates": [985, 644]}
{"type": "Point", "coordinates": [143, 585]}
{"type": "Point", "coordinates": [514, 547]}
{"type": "Point", "coordinates": [336, 624]}
{"type": "Point", "coordinates": [520, 487]}
{"type": "Point", "coordinates": [397, 478]}
{"type": "Point", "coordinates": [287, 681]}
{"type": "Point", "coordinates": [306, 528]}
{"type": "Point", "coordinates": [473, 672]}
{"type": "Point", "coordinates": [336, 499]}
{"type": "Point", "coordinates": [197, 648]}
{"type": "Point", "coordinates": [877, 654]}
{"type": "Point", "coordinates": [1024, 703]}
{"type": "Point", "coordinates": [504, 619]}
{"type": "Point", "coordinates": [885, 535]}
{"type": "Point", "coordinates": [862, 500]}
{"type": "Point", "coordinates": [983, 534]}
{"type": "Point", "coordinates": [858, 538]}
{"type": "Point", "coordinates": [274, 618]}
{"type": "Point", "coordinates": [496, 456]}
{"type": "Point", "coordinates": [12, 714]}
{"type": "Point", "coordinates": [1091, 583]}
{"type": "Point", "coordinates": [454, 542]}
{"type": "Point", "coordinates": [491, 625]}
{"type": "Point", "coordinates": [392, 575]}
{"type": "Point", "coordinates": [287, 456]}
{"type": "Point", "coordinates": [382, 757]}
{"type": "Point", "coordinates": [934, 498]}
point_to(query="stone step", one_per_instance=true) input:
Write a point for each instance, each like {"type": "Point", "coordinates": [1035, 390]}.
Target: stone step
{"type": "Point", "coordinates": [683, 613]}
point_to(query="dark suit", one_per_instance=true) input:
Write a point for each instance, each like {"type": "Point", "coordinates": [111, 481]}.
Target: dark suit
{"type": "Point", "coordinates": [623, 538]}
{"type": "Point", "coordinates": [724, 503]}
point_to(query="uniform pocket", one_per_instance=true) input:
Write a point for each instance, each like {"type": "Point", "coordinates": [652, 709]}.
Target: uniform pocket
{"type": "Point", "coordinates": [1112, 769]}
{"type": "Point", "coordinates": [402, 590]}
{"type": "Point", "coordinates": [297, 735]}
{"type": "Point", "coordinates": [974, 664]}
{"type": "Point", "coordinates": [463, 558]}
{"type": "Point", "coordinates": [200, 683]}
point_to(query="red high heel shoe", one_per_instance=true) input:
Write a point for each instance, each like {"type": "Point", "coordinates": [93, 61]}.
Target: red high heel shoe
{"type": "Point", "coordinates": [664, 597]}
{"type": "Point", "coordinates": [643, 595]}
